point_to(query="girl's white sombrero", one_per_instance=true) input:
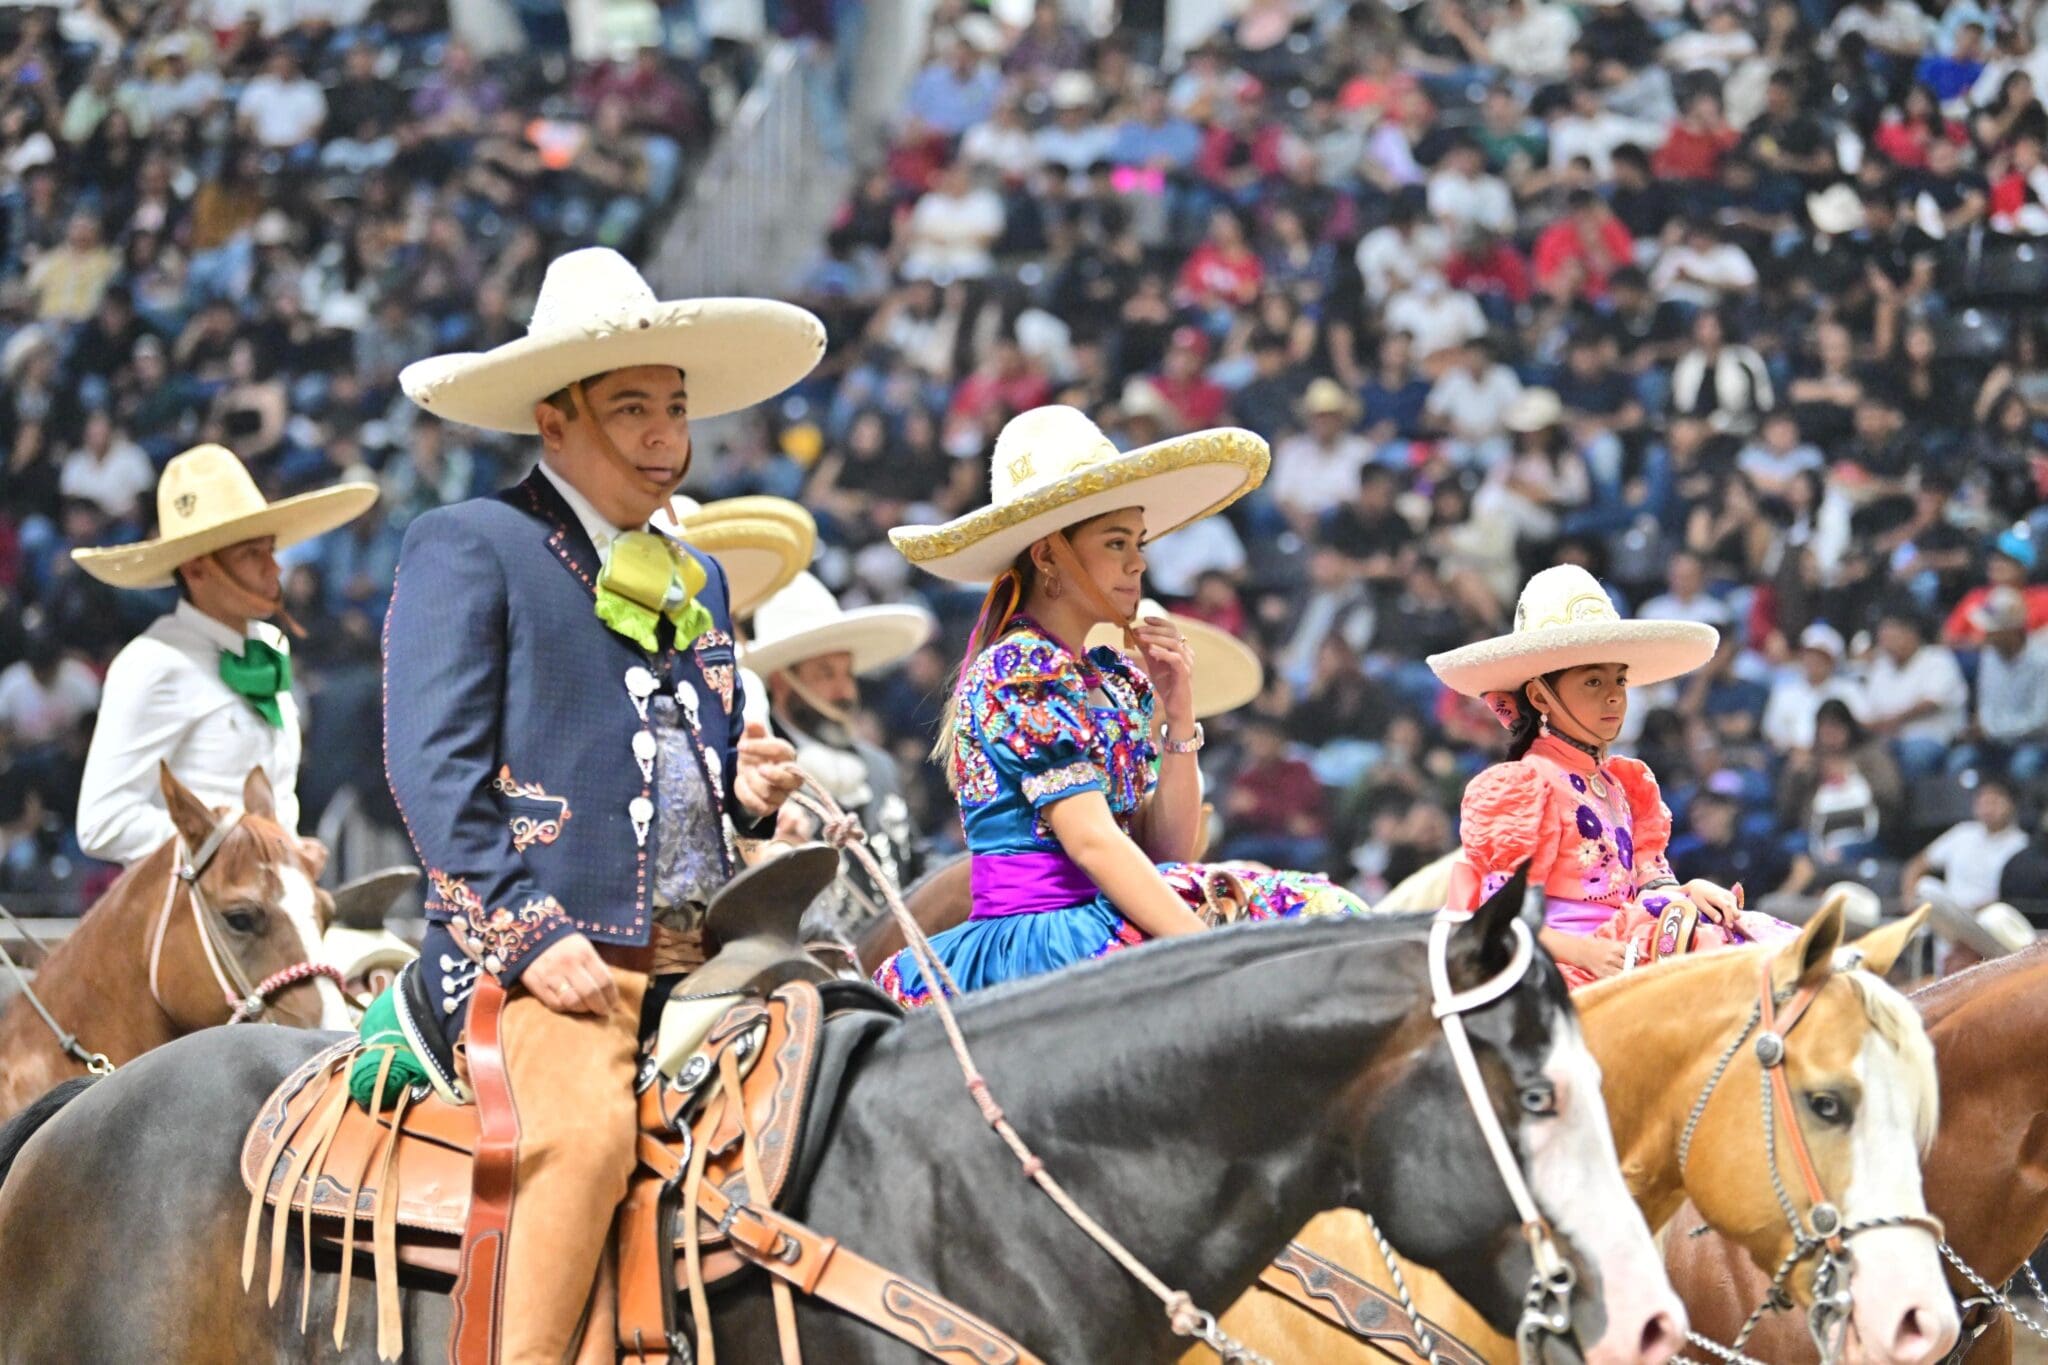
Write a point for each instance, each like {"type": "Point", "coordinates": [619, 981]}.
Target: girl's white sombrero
{"type": "Point", "coordinates": [1564, 619]}
{"type": "Point", "coordinates": [595, 314]}
{"type": "Point", "coordinates": [1053, 467]}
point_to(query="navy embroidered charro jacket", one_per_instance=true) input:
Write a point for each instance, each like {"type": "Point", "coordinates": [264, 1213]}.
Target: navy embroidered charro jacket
{"type": "Point", "coordinates": [511, 720]}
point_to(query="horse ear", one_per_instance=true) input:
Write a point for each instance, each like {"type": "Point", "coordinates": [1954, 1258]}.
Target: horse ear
{"type": "Point", "coordinates": [1809, 959]}
{"type": "Point", "coordinates": [189, 814]}
{"type": "Point", "coordinates": [257, 797]}
{"type": "Point", "coordinates": [1486, 945]}
{"type": "Point", "coordinates": [1880, 948]}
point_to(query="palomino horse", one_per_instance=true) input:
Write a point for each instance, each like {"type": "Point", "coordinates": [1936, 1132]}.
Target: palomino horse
{"type": "Point", "coordinates": [163, 954]}
{"type": "Point", "coordinates": [1281, 1069]}
{"type": "Point", "coordinates": [1986, 1175]}
{"type": "Point", "coordinates": [1862, 1073]}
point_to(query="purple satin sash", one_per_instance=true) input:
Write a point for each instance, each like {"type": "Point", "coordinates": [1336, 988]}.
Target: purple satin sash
{"type": "Point", "coordinates": [1026, 884]}
{"type": "Point", "coordinates": [1576, 917]}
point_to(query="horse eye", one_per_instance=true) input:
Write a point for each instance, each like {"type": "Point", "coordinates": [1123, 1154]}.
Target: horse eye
{"type": "Point", "coordinates": [1828, 1108]}
{"type": "Point", "coordinates": [1539, 1099]}
{"type": "Point", "coordinates": [243, 921]}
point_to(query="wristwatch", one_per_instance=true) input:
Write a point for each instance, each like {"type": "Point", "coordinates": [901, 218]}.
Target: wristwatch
{"type": "Point", "coordinates": [1191, 745]}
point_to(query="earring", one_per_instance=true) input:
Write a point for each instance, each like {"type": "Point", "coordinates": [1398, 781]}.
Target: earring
{"type": "Point", "coordinates": [1543, 727]}
{"type": "Point", "coordinates": [1052, 585]}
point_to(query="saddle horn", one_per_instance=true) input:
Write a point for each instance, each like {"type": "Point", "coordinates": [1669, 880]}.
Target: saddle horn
{"type": "Point", "coordinates": [364, 902]}
{"type": "Point", "coordinates": [753, 923]}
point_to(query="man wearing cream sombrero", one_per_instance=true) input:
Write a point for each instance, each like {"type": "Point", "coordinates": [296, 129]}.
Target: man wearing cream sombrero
{"type": "Point", "coordinates": [1591, 826]}
{"type": "Point", "coordinates": [1076, 768]}
{"type": "Point", "coordinates": [564, 741]}
{"type": "Point", "coordinates": [812, 655]}
{"type": "Point", "coordinates": [207, 688]}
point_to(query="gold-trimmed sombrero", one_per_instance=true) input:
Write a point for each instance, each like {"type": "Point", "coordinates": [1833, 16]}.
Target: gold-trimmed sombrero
{"type": "Point", "coordinates": [805, 621]}
{"type": "Point", "coordinates": [1565, 619]}
{"type": "Point", "coordinates": [205, 502]}
{"type": "Point", "coordinates": [595, 314]}
{"type": "Point", "coordinates": [1053, 467]}
{"type": "Point", "coordinates": [762, 543]}
{"type": "Point", "coordinates": [1228, 673]}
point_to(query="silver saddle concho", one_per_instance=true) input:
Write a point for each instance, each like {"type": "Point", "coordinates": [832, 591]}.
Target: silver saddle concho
{"type": "Point", "coordinates": [752, 925]}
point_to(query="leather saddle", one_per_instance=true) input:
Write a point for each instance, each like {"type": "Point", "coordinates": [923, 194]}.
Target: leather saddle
{"type": "Point", "coordinates": [722, 1145]}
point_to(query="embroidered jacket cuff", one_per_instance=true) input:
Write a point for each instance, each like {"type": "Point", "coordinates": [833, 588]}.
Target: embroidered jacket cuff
{"type": "Point", "coordinates": [502, 940]}
{"type": "Point", "coordinates": [745, 823]}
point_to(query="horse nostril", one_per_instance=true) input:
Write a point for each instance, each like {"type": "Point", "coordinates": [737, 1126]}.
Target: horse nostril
{"type": "Point", "coordinates": [1662, 1339]}
{"type": "Point", "coordinates": [1914, 1341]}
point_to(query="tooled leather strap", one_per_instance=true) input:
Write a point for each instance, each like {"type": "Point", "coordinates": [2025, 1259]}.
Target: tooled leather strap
{"type": "Point", "coordinates": [1676, 928]}
{"type": "Point", "coordinates": [817, 1266]}
{"type": "Point", "coordinates": [1343, 1300]}
{"type": "Point", "coordinates": [480, 1288]}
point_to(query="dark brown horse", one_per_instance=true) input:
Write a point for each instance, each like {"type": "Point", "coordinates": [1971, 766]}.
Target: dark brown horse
{"type": "Point", "coordinates": [1986, 1177]}
{"type": "Point", "coordinates": [938, 900]}
{"type": "Point", "coordinates": [151, 962]}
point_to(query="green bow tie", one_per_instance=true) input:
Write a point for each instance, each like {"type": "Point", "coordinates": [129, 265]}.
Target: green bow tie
{"type": "Point", "coordinates": [646, 577]}
{"type": "Point", "coordinates": [259, 673]}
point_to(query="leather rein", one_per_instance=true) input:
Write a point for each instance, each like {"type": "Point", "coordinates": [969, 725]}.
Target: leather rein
{"type": "Point", "coordinates": [1547, 1304]}
{"type": "Point", "coordinates": [1822, 1235]}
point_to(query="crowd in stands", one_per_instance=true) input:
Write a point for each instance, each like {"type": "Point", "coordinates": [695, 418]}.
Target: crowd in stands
{"type": "Point", "coordinates": [1735, 302]}
{"type": "Point", "coordinates": [234, 222]}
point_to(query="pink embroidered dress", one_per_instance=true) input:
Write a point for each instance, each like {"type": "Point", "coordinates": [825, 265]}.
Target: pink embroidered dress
{"type": "Point", "coordinates": [1594, 836]}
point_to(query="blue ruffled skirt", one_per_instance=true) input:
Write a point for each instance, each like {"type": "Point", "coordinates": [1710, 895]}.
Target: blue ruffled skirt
{"type": "Point", "coordinates": [988, 952]}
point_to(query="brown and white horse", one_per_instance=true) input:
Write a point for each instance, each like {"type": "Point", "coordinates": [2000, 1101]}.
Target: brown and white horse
{"type": "Point", "coordinates": [222, 924]}
{"type": "Point", "coordinates": [1986, 1176]}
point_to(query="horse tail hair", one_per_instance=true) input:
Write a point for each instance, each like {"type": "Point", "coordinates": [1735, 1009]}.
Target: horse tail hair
{"type": "Point", "coordinates": [18, 1130]}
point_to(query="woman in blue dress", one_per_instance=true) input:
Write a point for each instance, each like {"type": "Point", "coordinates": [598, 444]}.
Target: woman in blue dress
{"type": "Point", "coordinates": [1082, 811]}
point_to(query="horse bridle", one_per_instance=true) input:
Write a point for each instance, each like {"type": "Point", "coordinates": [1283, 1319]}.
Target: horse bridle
{"type": "Point", "coordinates": [1822, 1234]}
{"type": "Point", "coordinates": [1546, 1304]}
{"type": "Point", "coordinates": [245, 1002]}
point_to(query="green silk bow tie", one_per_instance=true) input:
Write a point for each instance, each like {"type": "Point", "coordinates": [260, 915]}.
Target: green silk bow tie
{"type": "Point", "coordinates": [259, 673]}
{"type": "Point", "coordinates": [646, 577]}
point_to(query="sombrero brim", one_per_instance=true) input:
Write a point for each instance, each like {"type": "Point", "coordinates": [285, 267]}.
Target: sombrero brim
{"type": "Point", "coordinates": [733, 353]}
{"type": "Point", "coordinates": [760, 557]}
{"type": "Point", "coordinates": [1960, 926]}
{"type": "Point", "coordinates": [148, 563]}
{"type": "Point", "coordinates": [1174, 481]}
{"type": "Point", "coordinates": [1655, 651]}
{"type": "Point", "coordinates": [876, 637]}
{"type": "Point", "coordinates": [1228, 673]}
{"type": "Point", "coordinates": [756, 505]}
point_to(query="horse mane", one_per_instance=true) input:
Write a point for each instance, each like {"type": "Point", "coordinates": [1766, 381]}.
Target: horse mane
{"type": "Point", "coordinates": [16, 1132]}
{"type": "Point", "coordinates": [1939, 999]}
{"type": "Point", "coordinates": [1172, 967]}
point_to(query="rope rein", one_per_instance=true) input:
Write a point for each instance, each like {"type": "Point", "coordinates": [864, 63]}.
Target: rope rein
{"type": "Point", "coordinates": [844, 832]}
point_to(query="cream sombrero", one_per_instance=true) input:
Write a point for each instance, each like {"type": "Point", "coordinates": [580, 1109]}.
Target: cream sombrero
{"type": "Point", "coordinates": [1565, 620]}
{"type": "Point", "coordinates": [596, 314]}
{"type": "Point", "coordinates": [805, 621]}
{"type": "Point", "coordinates": [762, 543]}
{"type": "Point", "coordinates": [1228, 673]}
{"type": "Point", "coordinates": [1053, 467]}
{"type": "Point", "coordinates": [205, 502]}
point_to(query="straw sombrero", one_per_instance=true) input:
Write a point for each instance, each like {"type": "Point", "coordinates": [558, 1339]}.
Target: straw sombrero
{"type": "Point", "coordinates": [1228, 673]}
{"type": "Point", "coordinates": [762, 543]}
{"type": "Point", "coordinates": [1053, 467]}
{"type": "Point", "coordinates": [205, 502]}
{"type": "Point", "coordinates": [805, 621]}
{"type": "Point", "coordinates": [595, 314]}
{"type": "Point", "coordinates": [1994, 931]}
{"type": "Point", "coordinates": [1565, 620]}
